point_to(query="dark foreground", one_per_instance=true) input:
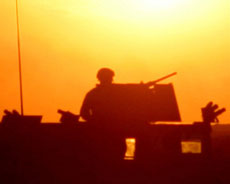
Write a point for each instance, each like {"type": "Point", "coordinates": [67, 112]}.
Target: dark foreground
{"type": "Point", "coordinates": [76, 154]}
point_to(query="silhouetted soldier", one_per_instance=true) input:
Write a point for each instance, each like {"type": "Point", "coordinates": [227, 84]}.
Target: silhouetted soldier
{"type": "Point", "coordinates": [99, 109]}
{"type": "Point", "coordinates": [98, 103]}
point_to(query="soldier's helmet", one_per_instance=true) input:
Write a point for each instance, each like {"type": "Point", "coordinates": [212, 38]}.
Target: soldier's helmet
{"type": "Point", "coordinates": [105, 75]}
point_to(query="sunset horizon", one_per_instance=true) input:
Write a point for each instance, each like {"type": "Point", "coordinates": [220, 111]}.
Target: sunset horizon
{"type": "Point", "coordinates": [65, 43]}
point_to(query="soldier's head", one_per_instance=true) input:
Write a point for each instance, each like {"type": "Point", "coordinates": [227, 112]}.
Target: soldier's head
{"type": "Point", "coordinates": [105, 75]}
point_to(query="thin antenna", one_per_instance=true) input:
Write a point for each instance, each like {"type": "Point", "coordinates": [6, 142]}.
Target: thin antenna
{"type": "Point", "coordinates": [19, 59]}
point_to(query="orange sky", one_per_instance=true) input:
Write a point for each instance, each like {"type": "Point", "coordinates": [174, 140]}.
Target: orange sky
{"type": "Point", "coordinates": [65, 42]}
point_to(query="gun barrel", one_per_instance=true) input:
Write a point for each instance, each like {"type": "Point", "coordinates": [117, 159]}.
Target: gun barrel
{"type": "Point", "coordinates": [160, 79]}
{"type": "Point", "coordinates": [61, 111]}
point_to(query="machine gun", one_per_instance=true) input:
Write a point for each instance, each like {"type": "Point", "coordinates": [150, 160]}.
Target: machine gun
{"type": "Point", "coordinates": [68, 117]}
{"type": "Point", "coordinates": [151, 83]}
{"type": "Point", "coordinates": [139, 103]}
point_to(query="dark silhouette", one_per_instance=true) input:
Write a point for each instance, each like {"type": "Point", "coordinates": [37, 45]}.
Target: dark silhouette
{"type": "Point", "coordinates": [13, 113]}
{"type": "Point", "coordinates": [210, 112]}
{"type": "Point", "coordinates": [56, 154]}
{"type": "Point", "coordinates": [129, 106]}
{"type": "Point", "coordinates": [14, 119]}
{"type": "Point", "coordinates": [117, 111]}
{"type": "Point", "coordinates": [209, 115]}
{"type": "Point", "coordinates": [100, 109]}
{"type": "Point", "coordinates": [93, 151]}
{"type": "Point", "coordinates": [68, 117]}
{"type": "Point", "coordinates": [96, 105]}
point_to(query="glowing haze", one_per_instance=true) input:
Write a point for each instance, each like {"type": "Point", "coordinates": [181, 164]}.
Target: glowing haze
{"type": "Point", "coordinates": [65, 42]}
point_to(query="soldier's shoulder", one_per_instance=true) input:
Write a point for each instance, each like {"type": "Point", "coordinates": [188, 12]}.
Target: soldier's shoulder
{"type": "Point", "coordinates": [92, 91]}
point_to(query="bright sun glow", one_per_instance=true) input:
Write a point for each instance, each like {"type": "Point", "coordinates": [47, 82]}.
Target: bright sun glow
{"type": "Point", "coordinates": [133, 9]}
{"type": "Point", "coordinates": [159, 5]}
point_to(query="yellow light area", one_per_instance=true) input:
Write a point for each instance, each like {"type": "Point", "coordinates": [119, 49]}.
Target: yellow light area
{"type": "Point", "coordinates": [149, 6]}
{"type": "Point", "coordinates": [130, 148]}
{"type": "Point", "coordinates": [134, 8]}
{"type": "Point", "coordinates": [191, 146]}
{"type": "Point", "coordinates": [171, 123]}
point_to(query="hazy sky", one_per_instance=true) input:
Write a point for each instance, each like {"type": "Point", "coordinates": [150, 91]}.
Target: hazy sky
{"type": "Point", "coordinates": [65, 42]}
